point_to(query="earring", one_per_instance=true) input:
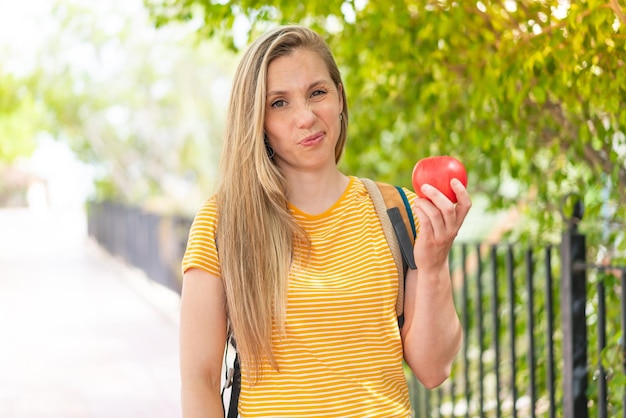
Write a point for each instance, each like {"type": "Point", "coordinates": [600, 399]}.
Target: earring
{"type": "Point", "coordinates": [268, 149]}
{"type": "Point", "coordinates": [341, 116]}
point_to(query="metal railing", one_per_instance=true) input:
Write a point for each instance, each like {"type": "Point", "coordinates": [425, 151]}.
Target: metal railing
{"type": "Point", "coordinates": [536, 324]}
{"type": "Point", "coordinates": [146, 240]}
{"type": "Point", "coordinates": [544, 330]}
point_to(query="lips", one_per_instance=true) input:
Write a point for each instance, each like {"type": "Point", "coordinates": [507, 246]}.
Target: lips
{"type": "Point", "coordinates": [312, 139]}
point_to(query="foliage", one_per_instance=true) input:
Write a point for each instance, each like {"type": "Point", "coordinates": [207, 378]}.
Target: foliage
{"type": "Point", "coordinates": [509, 298]}
{"type": "Point", "coordinates": [606, 359]}
{"type": "Point", "coordinates": [529, 94]}
{"type": "Point", "coordinates": [20, 119]}
{"type": "Point", "coordinates": [144, 107]}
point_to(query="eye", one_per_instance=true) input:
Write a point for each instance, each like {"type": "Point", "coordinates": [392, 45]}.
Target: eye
{"type": "Point", "coordinates": [278, 104]}
{"type": "Point", "coordinates": [318, 93]}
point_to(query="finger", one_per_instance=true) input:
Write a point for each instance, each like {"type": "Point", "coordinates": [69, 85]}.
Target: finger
{"type": "Point", "coordinates": [431, 219]}
{"type": "Point", "coordinates": [429, 243]}
{"type": "Point", "coordinates": [442, 203]}
{"type": "Point", "coordinates": [434, 195]}
{"type": "Point", "coordinates": [464, 203]}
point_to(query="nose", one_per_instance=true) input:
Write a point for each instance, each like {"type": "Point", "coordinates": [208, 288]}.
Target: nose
{"type": "Point", "coordinates": [304, 116]}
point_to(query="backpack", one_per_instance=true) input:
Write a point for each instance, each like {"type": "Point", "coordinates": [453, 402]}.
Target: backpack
{"type": "Point", "coordinates": [395, 214]}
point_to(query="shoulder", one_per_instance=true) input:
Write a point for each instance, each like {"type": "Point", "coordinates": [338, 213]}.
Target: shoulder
{"type": "Point", "coordinates": [209, 206]}
{"type": "Point", "coordinates": [205, 221]}
{"type": "Point", "coordinates": [208, 210]}
{"type": "Point", "coordinates": [410, 194]}
{"type": "Point", "coordinates": [390, 192]}
{"type": "Point", "coordinates": [201, 249]}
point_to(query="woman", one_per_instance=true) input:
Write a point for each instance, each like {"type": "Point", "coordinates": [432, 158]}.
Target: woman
{"type": "Point", "coordinates": [291, 254]}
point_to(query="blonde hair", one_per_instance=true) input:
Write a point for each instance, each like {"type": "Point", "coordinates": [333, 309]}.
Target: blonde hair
{"type": "Point", "coordinates": [256, 233]}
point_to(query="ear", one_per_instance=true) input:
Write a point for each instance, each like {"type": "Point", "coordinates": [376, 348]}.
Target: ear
{"type": "Point", "coordinates": [340, 91]}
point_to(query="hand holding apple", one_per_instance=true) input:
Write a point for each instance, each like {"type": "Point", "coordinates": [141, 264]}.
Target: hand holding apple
{"type": "Point", "coordinates": [438, 171]}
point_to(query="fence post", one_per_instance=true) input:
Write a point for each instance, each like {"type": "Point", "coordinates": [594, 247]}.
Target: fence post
{"type": "Point", "coordinates": [573, 318]}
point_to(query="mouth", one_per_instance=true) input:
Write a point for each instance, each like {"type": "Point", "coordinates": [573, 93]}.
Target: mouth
{"type": "Point", "coordinates": [312, 139]}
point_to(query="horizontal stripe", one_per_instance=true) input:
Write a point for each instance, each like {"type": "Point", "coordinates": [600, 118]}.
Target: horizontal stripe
{"type": "Point", "coordinates": [341, 355]}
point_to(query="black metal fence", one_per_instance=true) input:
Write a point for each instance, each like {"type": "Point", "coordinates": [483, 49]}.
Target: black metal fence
{"type": "Point", "coordinates": [544, 334]}
{"type": "Point", "coordinates": [544, 328]}
{"type": "Point", "coordinates": [149, 241]}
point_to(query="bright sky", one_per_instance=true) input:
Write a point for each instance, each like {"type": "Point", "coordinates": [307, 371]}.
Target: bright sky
{"type": "Point", "coordinates": [28, 26]}
{"type": "Point", "coordinates": [23, 25]}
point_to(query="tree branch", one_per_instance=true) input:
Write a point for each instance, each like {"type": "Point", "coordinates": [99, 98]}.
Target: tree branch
{"type": "Point", "coordinates": [598, 161]}
{"type": "Point", "coordinates": [617, 8]}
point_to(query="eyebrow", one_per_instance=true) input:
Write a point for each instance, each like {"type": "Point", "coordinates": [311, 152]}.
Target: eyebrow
{"type": "Point", "coordinates": [313, 84]}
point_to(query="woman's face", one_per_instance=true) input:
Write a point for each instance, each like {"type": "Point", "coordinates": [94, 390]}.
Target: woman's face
{"type": "Point", "coordinates": [302, 110]}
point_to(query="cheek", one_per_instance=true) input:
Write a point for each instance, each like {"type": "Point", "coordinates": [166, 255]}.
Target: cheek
{"type": "Point", "coordinates": [275, 132]}
{"type": "Point", "coordinates": [333, 118]}
{"type": "Point", "coordinates": [271, 126]}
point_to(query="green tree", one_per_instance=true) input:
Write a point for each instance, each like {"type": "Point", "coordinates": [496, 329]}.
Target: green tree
{"type": "Point", "coordinates": [529, 94]}
{"type": "Point", "coordinates": [20, 118]}
{"type": "Point", "coordinates": [145, 107]}
{"type": "Point", "coordinates": [141, 108]}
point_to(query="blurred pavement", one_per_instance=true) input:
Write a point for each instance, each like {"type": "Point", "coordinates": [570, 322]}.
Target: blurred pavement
{"type": "Point", "coordinates": [81, 334]}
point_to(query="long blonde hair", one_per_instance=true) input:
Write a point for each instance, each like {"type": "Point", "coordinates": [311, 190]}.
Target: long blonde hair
{"type": "Point", "coordinates": [256, 233]}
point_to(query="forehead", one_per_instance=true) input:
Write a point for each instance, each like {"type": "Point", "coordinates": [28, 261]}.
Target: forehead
{"type": "Point", "coordinates": [300, 66]}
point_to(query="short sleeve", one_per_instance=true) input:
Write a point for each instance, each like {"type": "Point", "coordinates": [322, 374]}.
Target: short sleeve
{"type": "Point", "coordinates": [201, 251]}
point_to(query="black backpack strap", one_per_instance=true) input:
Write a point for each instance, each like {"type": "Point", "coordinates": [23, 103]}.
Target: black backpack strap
{"type": "Point", "coordinates": [233, 405]}
{"type": "Point", "coordinates": [406, 246]}
{"type": "Point", "coordinates": [392, 201]}
{"type": "Point", "coordinates": [400, 225]}
{"type": "Point", "coordinates": [232, 380]}
{"type": "Point", "coordinates": [409, 212]}
{"type": "Point", "coordinates": [404, 240]}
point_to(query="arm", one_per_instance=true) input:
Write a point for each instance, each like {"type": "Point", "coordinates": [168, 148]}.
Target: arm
{"type": "Point", "coordinates": [432, 333]}
{"type": "Point", "coordinates": [202, 342]}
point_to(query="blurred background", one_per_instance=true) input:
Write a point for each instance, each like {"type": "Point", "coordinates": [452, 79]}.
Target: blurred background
{"type": "Point", "coordinates": [111, 115]}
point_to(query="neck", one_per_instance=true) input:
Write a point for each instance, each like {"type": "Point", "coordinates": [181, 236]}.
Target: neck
{"type": "Point", "coordinates": [315, 192]}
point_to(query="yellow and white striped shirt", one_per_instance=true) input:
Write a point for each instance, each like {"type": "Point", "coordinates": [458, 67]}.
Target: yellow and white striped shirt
{"type": "Point", "coordinates": [342, 355]}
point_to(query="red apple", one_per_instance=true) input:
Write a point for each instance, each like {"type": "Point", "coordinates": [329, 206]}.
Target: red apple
{"type": "Point", "coordinates": [438, 171]}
